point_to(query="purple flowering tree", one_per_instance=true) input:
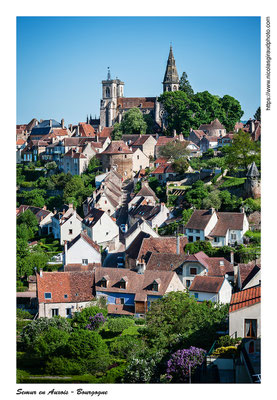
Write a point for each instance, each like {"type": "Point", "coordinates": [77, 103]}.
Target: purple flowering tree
{"type": "Point", "coordinates": [183, 362]}
{"type": "Point", "coordinates": [96, 321]}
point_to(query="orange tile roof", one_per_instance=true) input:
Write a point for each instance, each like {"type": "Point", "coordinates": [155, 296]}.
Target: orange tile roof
{"type": "Point", "coordinates": [86, 130]}
{"type": "Point", "coordinates": [245, 298]}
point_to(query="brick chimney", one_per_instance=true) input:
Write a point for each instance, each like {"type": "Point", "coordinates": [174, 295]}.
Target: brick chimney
{"type": "Point", "coordinates": [178, 245]}
{"type": "Point", "coordinates": [62, 123]}
{"type": "Point", "coordinates": [40, 273]}
{"type": "Point", "coordinates": [51, 123]}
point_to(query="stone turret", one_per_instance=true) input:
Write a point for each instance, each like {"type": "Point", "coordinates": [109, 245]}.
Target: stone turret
{"type": "Point", "coordinates": [171, 78]}
{"type": "Point", "coordinates": [252, 185]}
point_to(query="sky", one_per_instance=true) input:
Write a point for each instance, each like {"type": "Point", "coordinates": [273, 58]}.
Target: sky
{"type": "Point", "coordinates": [61, 61]}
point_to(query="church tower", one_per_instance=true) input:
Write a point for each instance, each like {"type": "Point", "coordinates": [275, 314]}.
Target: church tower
{"type": "Point", "coordinates": [111, 90]}
{"type": "Point", "coordinates": [171, 78]}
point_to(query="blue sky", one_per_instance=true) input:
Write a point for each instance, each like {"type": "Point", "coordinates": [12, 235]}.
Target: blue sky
{"type": "Point", "coordinates": [61, 61]}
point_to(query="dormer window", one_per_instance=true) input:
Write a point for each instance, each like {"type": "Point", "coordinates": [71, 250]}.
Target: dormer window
{"type": "Point", "coordinates": [155, 286]}
{"type": "Point", "coordinates": [103, 282]}
{"type": "Point", "coordinates": [122, 284]}
{"type": "Point", "coordinates": [193, 271]}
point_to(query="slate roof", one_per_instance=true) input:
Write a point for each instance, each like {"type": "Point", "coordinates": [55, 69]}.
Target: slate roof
{"type": "Point", "coordinates": [245, 298]}
{"type": "Point", "coordinates": [134, 248]}
{"type": "Point", "coordinates": [78, 286]}
{"type": "Point", "coordinates": [117, 147]}
{"type": "Point", "coordinates": [252, 171]}
{"type": "Point", "coordinates": [145, 211]}
{"type": "Point", "coordinates": [209, 284]}
{"type": "Point", "coordinates": [43, 128]}
{"type": "Point", "coordinates": [93, 217]}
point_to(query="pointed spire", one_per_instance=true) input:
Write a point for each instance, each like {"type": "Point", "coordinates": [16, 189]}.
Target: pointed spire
{"type": "Point", "coordinates": [171, 75]}
{"type": "Point", "coordinates": [253, 171]}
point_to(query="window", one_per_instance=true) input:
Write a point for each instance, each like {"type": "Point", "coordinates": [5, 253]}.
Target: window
{"type": "Point", "coordinates": [70, 232]}
{"type": "Point", "coordinates": [233, 236]}
{"type": "Point", "coordinates": [187, 283]}
{"type": "Point", "coordinates": [125, 156]}
{"type": "Point", "coordinates": [122, 300]}
{"type": "Point", "coordinates": [138, 157]}
{"type": "Point", "coordinates": [55, 312]}
{"type": "Point", "coordinates": [190, 238]}
{"type": "Point", "coordinates": [68, 312]}
{"type": "Point", "coordinates": [155, 287]}
{"type": "Point", "coordinates": [197, 230]}
{"type": "Point", "coordinates": [250, 328]}
{"type": "Point", "coordinates": [85, 261]}
{"type": "Point", "coordinates": [48, 295]}
{"type": "Point", "coordinates": [65, 296]}
{"type": "Point", "coordinates": [196, 295]}
{"type": "Point", "coordinates": [103, 283]}
{"type": "Point", "coordinates": [122, 284]}
{"type": "Point", "coordinates": [193, 271]}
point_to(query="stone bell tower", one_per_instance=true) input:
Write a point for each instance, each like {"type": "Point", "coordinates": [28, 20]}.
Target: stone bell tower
{"type": "Point", "coordinates": [171, 78]}
{"type": "Point", "coordinates": [252, 184]}
{"type": "Point", "coordinates": [111, 90]}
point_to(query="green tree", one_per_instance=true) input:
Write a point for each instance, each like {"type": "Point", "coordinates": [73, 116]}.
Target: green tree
{"type": "Point", "coordinates": [117, 131]}
{"type": "Point", "coordinates": [94, 163]}
{"type": "Point", "coordinates": [243, 151]}
{"type": "Point", "coordinates": [196, 194]}
{"type": "Point", "coordinates": [212, 200]}
{"type": "Point", "coordinates": [50, 342]}
{"type": "Point", "coordinates": [232, 112]}
{"type": "Point", "coordinates": [186, 214]}
{"type": "Point", "coordinates": [51, 165]}
{"type": "Point", "coordinates": [150, 123]}
{"type": "Point", "coordinates": [29, 219]}
{"type": "Point", "coordinates": [181, 165]}
{"type": "Point", "coordinates": [133, 122]}
{"type": "Point", "coordinates": [209, 108]}
{"type": "Point", "coordinates": [257, 114]}
{"type": "Point", "coordinates": [35, 197]}
{"type": "Point", "coordinates": [185, 86]}
{"type": "Point", "coordinates": [175, 150]}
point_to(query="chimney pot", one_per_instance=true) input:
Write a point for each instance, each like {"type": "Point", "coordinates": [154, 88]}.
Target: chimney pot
{"type": "Point", "coordinates": [40, 273]}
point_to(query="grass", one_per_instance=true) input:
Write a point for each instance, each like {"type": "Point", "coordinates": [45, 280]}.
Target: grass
{"type": "Point", "coordinates": [229, 181]}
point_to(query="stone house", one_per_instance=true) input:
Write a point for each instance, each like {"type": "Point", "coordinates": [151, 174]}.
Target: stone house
{"type": "Point", "coordinates": [140, 160]}
{"type": "Point", "coordinates": [211, 288]}
{"type": "Point", "coordinates": [127, 290]}
{"type": "Point", "coordinates": [164, 172]}
{"type": "Point", "coordinates": [101, 228]}
{"type": "Point", "coordinates": [146, 143]}
{"type": "Point", "coordinates": [63, 293]}
{"type": "Point", "coordinates": [208, 142]}
{"type": "Point", "coordinates": [154, 215]}
{"type": "Point", "coordinates": [66, 224]}
{"type": "Point", "coordinates": [118, 157]}
{"type": "Point", "coordinates": [221, 228]}
{"type": "Point", "coordinates": [215, 128]}
{"type": "Point", "coordinates": [195, 136]}
{"type": "Point", "coordinates": [249, 275]}
{"type": "Point", "coordinates": [245, 313]}
{"type": "Point", "coordinates": [140, 226]}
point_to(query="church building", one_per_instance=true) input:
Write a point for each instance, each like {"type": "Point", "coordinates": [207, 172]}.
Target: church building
{"type": "Point", "coordinates": [113, 103]}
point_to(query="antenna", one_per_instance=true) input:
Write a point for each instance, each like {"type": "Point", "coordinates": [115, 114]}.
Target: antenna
{"type": "Point", "coordinates": [109, 74]}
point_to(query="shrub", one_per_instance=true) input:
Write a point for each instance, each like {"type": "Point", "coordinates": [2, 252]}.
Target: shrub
{"type": "Point", "coordinates": [143, 367]}
{"type": "Point", "coordinates": [225, 352]}
{"type": "Point", "coordinates": [22, 314]}
{"type": "Point", "coordinates": [64, 366]}
{"type": "Point", "coordinates": [117, 325]}
{"type": "Point", "coordinates": [81, 319]}
{"type": "Point", "coordinates": [182, 362]}
{"type": "Point", "coordinates": [50, 342]}
{"type": "Point", "coordinates": [96, 321]}
{"type": "Point", "coordinates": [224, 341]}
{"type": "Point", "coordinates": [84, 343]}
{"type": "Point", "coordinates": [124, 346]}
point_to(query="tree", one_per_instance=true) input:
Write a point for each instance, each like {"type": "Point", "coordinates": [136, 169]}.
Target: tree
{"type": "Point", "coordinates": [209, 108]}
{"type": "Point", "coordinates": [243, 151]}
{"type": "Point", "coordinates": [117, 132]}
{"type": "Point", "coordinates": [29, 219]}
{"type": "Point", "coordinates": [232, 112]}
{"type": "Point", "coordinates": [94, 163]}
{"type": "Point", "coordinates": [175, 150]}
{"type": "Point", "coordinates": [184, 362]}
{"type": "Point", "coordinates": [150, 123]}
{"type": "Point", "coordinates": [181, 165]}
{"type": "Point", "coordinates": [50, 342]}
{"type": "Point", "coordinates": [51, 165]}
{"type": "Point", "coordinates": [133, 122]}
{"type": "Point", "coordinates": [257, 114]}
{"type": "Point", "coordinates": [212, 200]}
{"type": "Point", "coordinates": [35, 197]}
{"type": "Point", "coordinates": [196, 194]}
{"type": "Point", "coordinates": [185, 85]}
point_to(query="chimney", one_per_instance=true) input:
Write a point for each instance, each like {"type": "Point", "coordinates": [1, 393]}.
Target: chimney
{"type": "Point", "coordinates": [97, 138]}
{"type": "Point", "coordinates": [36, 122]}
{"type": "Point", "coordinates": [40, 121]}
{"type": "Point", "coordinates": [174, 132]}
{"type": "Point", "coordinates": [78, 130]}
{"type": "Point", "coordinates": [50, 123]}
{"type": "Point", "coordinates": [40, 272]}
{"type": "Point", "coordinates": [70, 127]}
{"type": "Point", "coordinates": [232, 257]}
{"type": "Point", "coordinates": [178, 245]}
{"type": "Point", "coordinates": [63, 211]}
{"type": "Point", "coordinates": [211, 210]}
{"type": "Point", "coordinates": [62, 123]}
{"type": "Point", "coordinates": [70, 205]}
{"type": "Point", "coordinates": [44, 207]}
{"type": "Point", "coordinates": [85, 231]}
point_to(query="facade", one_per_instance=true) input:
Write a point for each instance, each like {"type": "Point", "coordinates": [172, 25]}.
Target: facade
{"type": "Point", "coordinates": [81, 251]}
{"type": "Point", "coordinates": [140, 160]}
{"type": "Point", "coordinates": [211, 288]}
{"type": "Point", "coordinates": [146, 143]}
{"type": "Point", "coordinates": [43, 216]}
{"type": "Point", "coordinates": [63, 293]}
{"type": "Point", "coordinates": [118, 157]}
{"type": "Point", "coordinates": [66, 224]}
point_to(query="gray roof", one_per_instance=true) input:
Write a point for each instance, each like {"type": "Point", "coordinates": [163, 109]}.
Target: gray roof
{"type": "Point", "coordinates": [44, 127]}
{"type": "Point", "coordinates": [253, 171]}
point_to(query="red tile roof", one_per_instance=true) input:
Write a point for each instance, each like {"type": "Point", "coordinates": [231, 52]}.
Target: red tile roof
{"type": "Point", "coordinates": [81, 267]}
{"type": "Point", "coordinates": [140, 102]}
{"type": "Point", "coordinates": [76, 286]}
{"type": "Point", "coordinates": [165, 244]}
{"type": "Point", "coordinates": [20, 141]}
{"type": "Point", "coordinates": [210, 284]}
{"type": "Point", "coordinates": [106, 132]}
{"type": "Point", "coordinates": [164, 169]}
{"type": "Point", "coordinates": [141, 140]}
{"type": "Point", "coordinates": [199, 133]}
{"type": "Point", "coordinates": [245, 298]}
{"type": "Point", "coordinates": [121, 309]}
{"type": "Point", "coordinates": [162, 140]}
{"type": "Point", "coordinates": [86, 130]}
{"type": "Point", "coordinates": [72, 153]}
{"type": "Point", "coordinates": [117, 147]}
{"type": "Point", "coordinates": [199, 219]}
{"type": "Point", "coordinates": [227, 220]}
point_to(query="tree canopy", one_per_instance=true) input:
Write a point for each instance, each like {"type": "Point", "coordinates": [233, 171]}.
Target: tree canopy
{"type": "Point", "coordinates": [185, 86]}
{"type": "Point", "coordinates": [257, 114]}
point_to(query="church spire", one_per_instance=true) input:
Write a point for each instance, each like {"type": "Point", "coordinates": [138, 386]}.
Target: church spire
{"type": "Point", "coordinates": [171, 78]}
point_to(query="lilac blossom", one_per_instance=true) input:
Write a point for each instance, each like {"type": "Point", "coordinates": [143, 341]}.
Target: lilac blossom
{"type": "Point", "coordinates": [182, 362]}
{"type": "Point", "coordinates": [96, 321]}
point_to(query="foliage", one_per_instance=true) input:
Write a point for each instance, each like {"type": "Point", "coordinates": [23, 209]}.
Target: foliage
{"type": "Point", "coordinates": [150, 123]}
{"type": "Point", "coordinates": [81, 319]}
{"type": "Point", "coordinates": [51, 342]}
{"type": "Point", "coordinates": [226, 340]}
{"type": "Point", "coordinates": [132, 123]}
{"type": "Point", "coordinates": [196, 194]}
{"type": "Point", "coordinates": [243, 151]}
{"type": "Point", "coordinates": [35, 197]}
{"type": "Point", "coordinates": [229, 202]}
{"type": "Point", "coordinates": [254, 236]}
{"type": "Point", "coordinates": [51, 165]}
{"type": "Point", "coordinates": [257, 114]}
{"type": "Point", "coordinates": [186, 214]}
{"type": "Point", "coordinates": [94, 163]}
{"type": "Point", "coordinates": [159, 190]}
{"type": "Point", "coordinates": [175, 150]}
{"type": "Point", "coordinates": [212, 200]}
{"type": "Point", "coordinates": [231, 182]}
{"type": "Point", "coordinates": [183, 362]}
{"type": "Point", "coordinates": [232, 112]}
{"type": "Point", "coordinates": [125, 346]}
{"type": "Point", "coordinates": [32, 331]}
{"type": "Point", "coordinates": [64, 366]}
{"type": "Point", "coordinates": [117, 325]}
{"type": "Point", "coordinates": [252, 205]}
{"type": "Point", "coordinates": [22, 314]}
{"type": "Point", "coordinates": [117, 132]}
{"type": "Point", "coordinates": [185, 86]}
{"type": "Point", "coordinates": [96, 321]}
{"type": "Point", "coordinates": [181, 165]}
{"type": "Point", "coordinates": [225, 352]}
{"type": "Point", "coordinates": [199, 245]}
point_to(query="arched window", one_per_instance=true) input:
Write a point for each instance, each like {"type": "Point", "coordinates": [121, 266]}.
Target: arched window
{"type": "Point", "coordinates": [174, 88]}
{"type": "Point", "coordinates": [108, 92]}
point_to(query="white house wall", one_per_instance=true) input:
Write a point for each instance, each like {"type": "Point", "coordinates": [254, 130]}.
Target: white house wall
{"type": "Point", "coordinates": [225, 292]}
{"type": "Point", "coordinates": [82, 250]}
{"type": "Point", "coordinates": [237, 319]}
{"type": "Point", "coordinates": [144, 227]}
{"type": "Point", "coordinates": [72, 223]}
{"type": "Point", "coordinates": [45, 309]}
{"type": "Point", "coordinates": [140, 163]}
{"type": "Point", "coordinates": [175, 285]}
